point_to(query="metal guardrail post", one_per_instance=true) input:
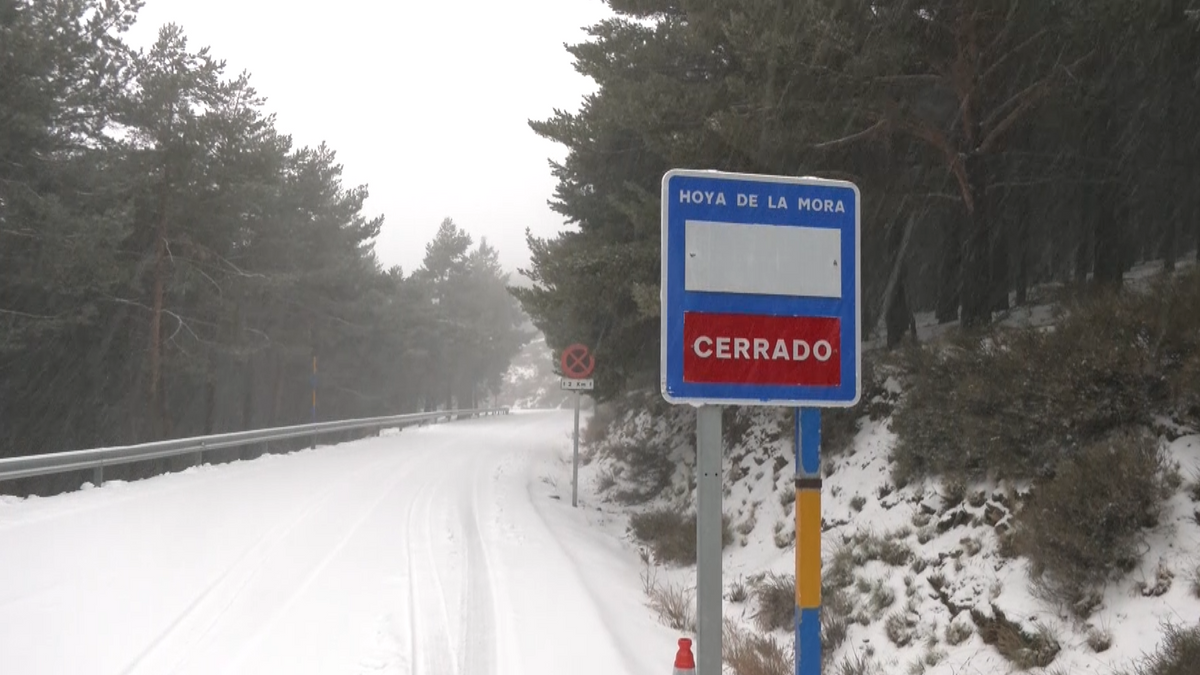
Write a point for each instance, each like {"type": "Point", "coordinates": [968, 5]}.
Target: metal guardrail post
{"type": "Point", "coordinates": [98, 475]}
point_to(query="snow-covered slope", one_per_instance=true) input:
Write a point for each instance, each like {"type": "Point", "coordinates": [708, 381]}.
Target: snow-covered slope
{"type": "Point", "coordinates": [923, 582]}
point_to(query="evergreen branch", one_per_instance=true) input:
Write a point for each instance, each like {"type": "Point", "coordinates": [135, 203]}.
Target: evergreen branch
{"type": "Point", "coordinates": [1009, 22]}
{"type": "Point", "coordinates": [20, 233]}
{"type": "Point", "coordinates": [181, 324]}
{"type": "Point", "coordinates": [954, 159]}
{"type": "Point", "coordinates": [865, 133]}
{"type": "Point", "coordinates": [1022, 102]}
{"type": "Point", "coordinates": [235, 268]}
{"type": "Point", "coordinates": [32, 317]}
{"type": "Point", "coordinates": [1011, 53]}
{"type": "Point", "coordinates": [194, 265]}
{"type": "Point", "coordinates": [938, 195]}
{"type": "Point", "coordinates": [929, 78]}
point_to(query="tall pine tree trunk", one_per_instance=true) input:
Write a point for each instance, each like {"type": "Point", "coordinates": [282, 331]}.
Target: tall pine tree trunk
{"type": "Point", "coordinates": [976, 263]}
{"type": "Point", "coordinates": [1170, 239]}
{"type": "Point", "coordinates": [210, 398]}
{"type": "Point", "coordinates": [1000, 267]}
{"type": "Point", "coordinates": [897, 313]}
{"type": "Point", "coordinates": [1101, 203]}
{"type": "Point", "coordinates": [1195, 213]}
{"type": "Point", "coordinates": [276, 390]}
{"type": "Point", "coordinates": [949, 270]}
{"type": "Point", "coordinates": [1020, 205]}
{"type": "Point", "coordinates": [247, 421]}
{"type": "Point", "coordinates": [1083, 240]}
{"type": "Point", "coordinates": [156, 402]}
{"type": "Point", "coordinates": [1109, 263]}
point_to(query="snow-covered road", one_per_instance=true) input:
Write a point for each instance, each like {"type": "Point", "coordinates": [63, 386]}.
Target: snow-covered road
{"type": "Point", "coordinates": [436, 551]}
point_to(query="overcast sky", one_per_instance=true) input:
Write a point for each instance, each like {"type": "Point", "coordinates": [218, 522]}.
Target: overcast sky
{"type": "Point", "coordinates": [426, 102]}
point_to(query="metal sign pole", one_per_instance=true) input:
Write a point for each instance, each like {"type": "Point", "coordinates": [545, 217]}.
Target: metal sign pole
{"type": "Point", "coordinates": [708, 540]}
{"type": "Point", "coordinates": [808, 541]}
{"type": "Point", "coordinates": [313, 440]}
{"type": "Point", "coordinates": [577, 364]}
{"type": "Point", "coordinates": [575, 460]}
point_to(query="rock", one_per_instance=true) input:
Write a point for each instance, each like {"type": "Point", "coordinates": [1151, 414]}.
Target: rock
{"type": "Point", "coordinates": [993, 514]}
{"type": "Point", "coordinates": [956, 518]}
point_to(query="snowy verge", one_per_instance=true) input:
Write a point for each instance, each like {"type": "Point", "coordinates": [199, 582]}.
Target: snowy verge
{"type": "Point", "coordinates": [922, 578]}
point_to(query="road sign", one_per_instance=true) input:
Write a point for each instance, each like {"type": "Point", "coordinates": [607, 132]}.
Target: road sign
{"type": "Point", "coordinates": [577, 385]}
{"type": "Point", "coordinates": [761, 290]}
{"type": "Point", "coordinates": [577, 363]}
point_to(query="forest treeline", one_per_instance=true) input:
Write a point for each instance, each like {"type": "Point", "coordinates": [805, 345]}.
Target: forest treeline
{"type": "Point", "coordinates": [998, 145]}
{"type": "Point", "coordinates": [171, 265]}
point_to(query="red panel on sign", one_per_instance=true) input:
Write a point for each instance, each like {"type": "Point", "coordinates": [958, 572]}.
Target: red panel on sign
{"type": "Point", "coordinates": [751, 349]}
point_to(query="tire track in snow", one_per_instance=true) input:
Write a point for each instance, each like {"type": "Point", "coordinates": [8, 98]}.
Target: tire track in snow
{"type": "Point", "coordinates": [316, 569]}
{"type": "Point", "coordinates": [225, 590]}
{"type": "Point", "coordinates": [432, 649]}
{"type": "Point", "coordinates": [478, 644]}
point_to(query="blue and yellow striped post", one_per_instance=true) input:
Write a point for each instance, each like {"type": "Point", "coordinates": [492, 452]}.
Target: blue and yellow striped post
{"type": "Point", "coordinates": [808, 541]}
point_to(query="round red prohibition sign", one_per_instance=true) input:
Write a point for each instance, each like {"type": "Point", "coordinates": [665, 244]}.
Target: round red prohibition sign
{"type": "Point", "coordinates": [577, 363]}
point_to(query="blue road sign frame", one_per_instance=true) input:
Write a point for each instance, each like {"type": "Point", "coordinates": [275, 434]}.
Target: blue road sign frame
{"type": "Point", "coordinates": [676, 300]}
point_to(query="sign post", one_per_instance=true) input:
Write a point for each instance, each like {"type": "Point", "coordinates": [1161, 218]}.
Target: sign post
{"type": "Point", "coordinates": [577, 364]}
{"type": "Point", "coordinates": [760, 306]}
{"type": "Point", "coordinates": [808, 540]}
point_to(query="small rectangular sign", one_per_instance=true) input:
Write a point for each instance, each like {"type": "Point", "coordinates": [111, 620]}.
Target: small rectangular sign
{"type": "Point", "coordinates": [749, 349]}
{"type": "Point", "coordinates": [762, 259]}
{"type": "Point", "coordinates": [577, 385]}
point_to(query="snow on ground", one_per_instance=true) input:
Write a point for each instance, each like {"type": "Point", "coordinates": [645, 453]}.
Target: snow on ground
{"type": "Point", "coordinates": [914, 615]}
{"type": "Point", "coordinates": [443, 550]}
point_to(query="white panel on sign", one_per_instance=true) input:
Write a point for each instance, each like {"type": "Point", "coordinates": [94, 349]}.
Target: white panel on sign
{"type": "Point", "coordinates": [763, 259]}
{"type": "Point", "coordinates": [578, 385]}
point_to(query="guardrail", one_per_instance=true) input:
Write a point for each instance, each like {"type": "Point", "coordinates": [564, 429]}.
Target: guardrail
{"type": "Point", "coordinates": [12, 468]}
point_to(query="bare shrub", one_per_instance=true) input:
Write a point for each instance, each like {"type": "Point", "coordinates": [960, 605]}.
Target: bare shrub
{"type": "Point", "coordinates": [958, 632]}
{"type": "Point", "coordinates": [836, 610]}
{"type": "Point", "coordinates": [648, 471]}
{"type": "Point", "coordinates": [776, 595]}
{"type": "Point", "coordinates": [1113, 362]}
{"type": "Point", "coordinates": [675, 606]}
{"type": "Point", "coordinates": [1023, 649]}
{"type": "Point", "coordinates": [738, 592]}
{"type": "Point", "coordinates": [901, 628]}
{"type": "Point", "coordinates": [1178, 654]}
{"type": "Point", "coordinates": [1099, 640]}
{"type": "Point", "coordinates": [1083, 524]}
{"type": "Point", "coordinates": [671, 534]}
{"type": "Point", "coordinates": [750, 654]}
{"type": "Point", "coordinates": [606, 480]}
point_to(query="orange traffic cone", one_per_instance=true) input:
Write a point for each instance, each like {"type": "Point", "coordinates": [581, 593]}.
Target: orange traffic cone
{"type": "Point", "coordinates": [685, 663]}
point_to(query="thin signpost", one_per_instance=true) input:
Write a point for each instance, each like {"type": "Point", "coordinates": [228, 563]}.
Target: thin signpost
{"type": "Point", "coordinates": [760, 306]}
{"type": "Point", "coordinates": [313, 441]}
{"type": "Point", "coordinates": [577, 365]}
